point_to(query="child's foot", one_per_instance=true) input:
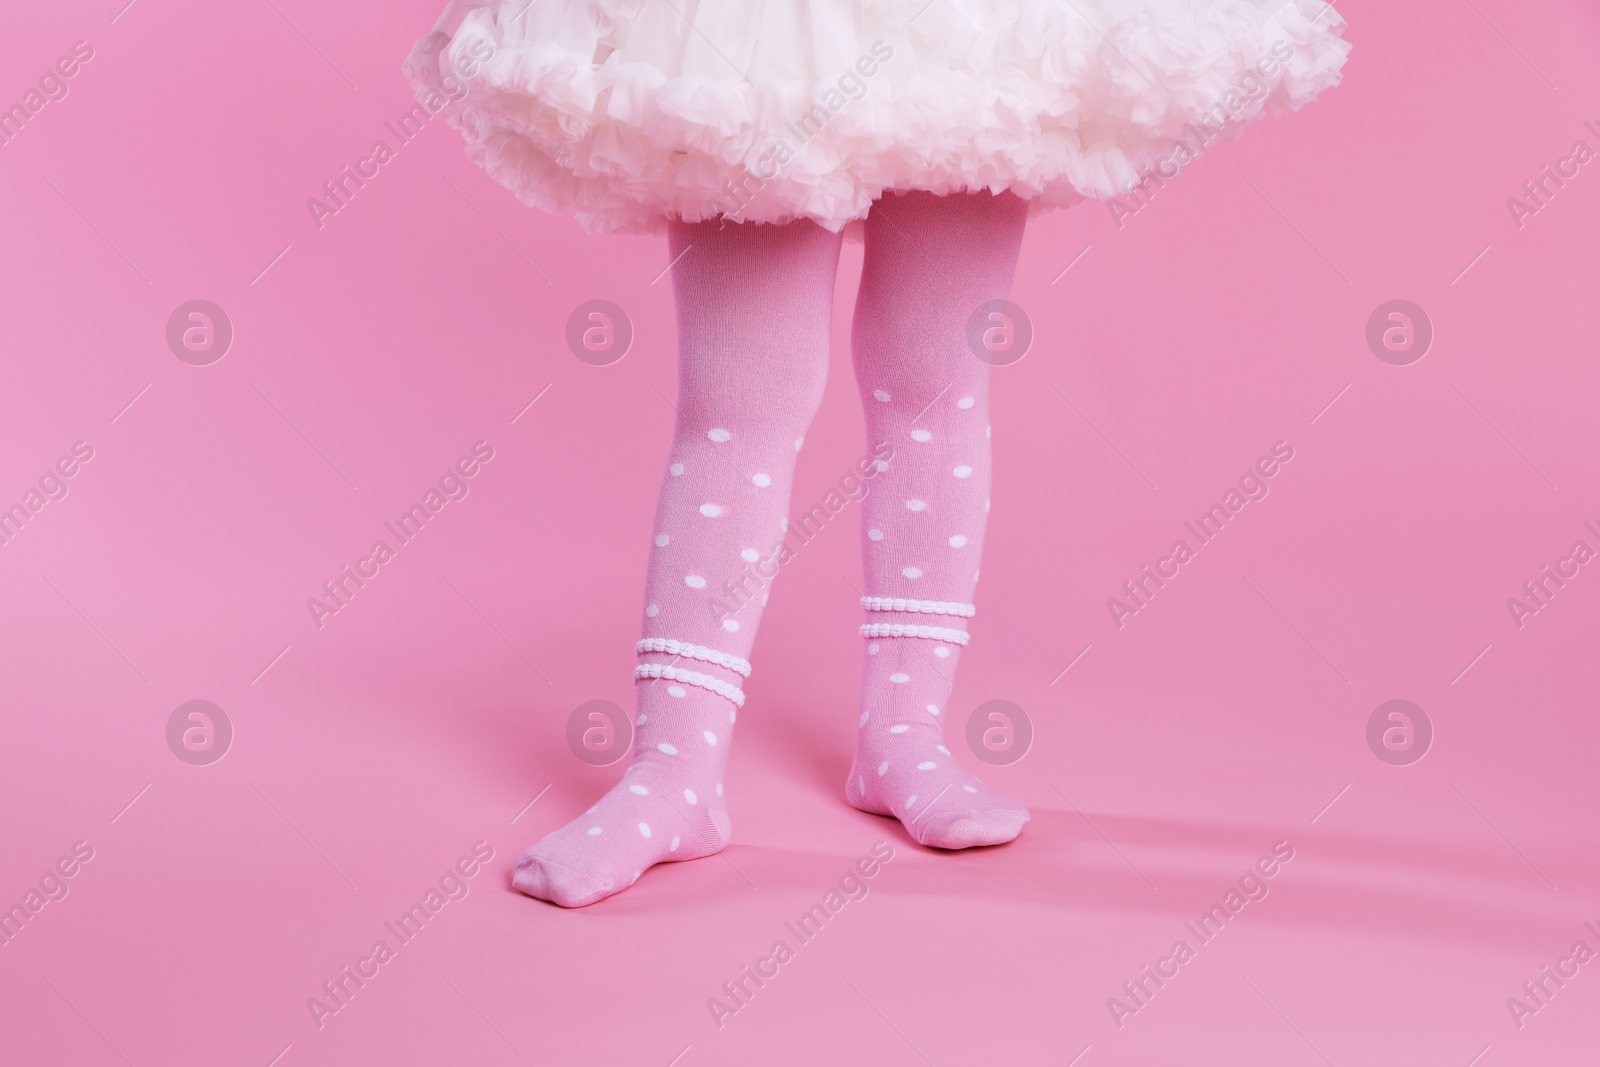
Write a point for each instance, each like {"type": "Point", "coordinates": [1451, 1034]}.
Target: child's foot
{"type": "Point", "coordinates": [648, 818]}
{"type": "Point", "coordinates": [668, 806]}
{"type": "Point", "coordinates": [903, 768]}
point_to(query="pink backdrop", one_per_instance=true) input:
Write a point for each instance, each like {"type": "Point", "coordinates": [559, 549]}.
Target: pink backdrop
{"type": "Point", "coordinates": [371, 754]}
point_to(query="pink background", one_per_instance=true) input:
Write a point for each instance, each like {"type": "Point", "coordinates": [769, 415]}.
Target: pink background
{"type": "Point", "coordinates": [371, 754]}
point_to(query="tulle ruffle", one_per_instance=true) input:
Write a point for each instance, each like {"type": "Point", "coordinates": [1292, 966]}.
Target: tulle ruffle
{"type": "Point", "coordinates": [626, 112]}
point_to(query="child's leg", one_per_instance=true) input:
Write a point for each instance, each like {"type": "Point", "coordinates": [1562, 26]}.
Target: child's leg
{"type": "Point", "coordinates": [930, 262]}
{"type": "Point", "coordinates": [754, 305]}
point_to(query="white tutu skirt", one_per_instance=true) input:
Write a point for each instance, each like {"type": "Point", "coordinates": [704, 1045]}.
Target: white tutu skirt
{"type": "Point", "coordinates": [628, 112]}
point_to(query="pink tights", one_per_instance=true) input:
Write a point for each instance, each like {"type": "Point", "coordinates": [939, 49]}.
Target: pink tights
{"type": "Point", "coordinates": [754, 305]}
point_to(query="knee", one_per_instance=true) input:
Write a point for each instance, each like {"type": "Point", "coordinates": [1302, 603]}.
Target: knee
{"type": "Point", "coordinates": [757, 420]}
{"type": "Point", "coordinates": [764, 404]}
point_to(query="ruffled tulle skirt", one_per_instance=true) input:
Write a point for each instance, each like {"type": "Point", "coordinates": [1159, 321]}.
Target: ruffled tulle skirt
{"type": "Point", "coordinates": [627, 112]}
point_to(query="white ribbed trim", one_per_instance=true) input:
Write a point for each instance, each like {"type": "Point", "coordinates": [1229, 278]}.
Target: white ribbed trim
{"type": "Point", "coordinates": [673, 647]}
{"type": "Point", "coordinates": [926, 607]}
{"type": "Point", "coordinates": [704, 681]}
{"type": "Point", "coordinates": [934, 633]}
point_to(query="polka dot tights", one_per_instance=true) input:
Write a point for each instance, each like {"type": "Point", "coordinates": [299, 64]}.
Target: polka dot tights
{"type": "Point", "coordinates": [754, 304]}
{"type": "Point", "coordinates": [931, 263]}
{"type": "Point", "coordinates": [754, 307]}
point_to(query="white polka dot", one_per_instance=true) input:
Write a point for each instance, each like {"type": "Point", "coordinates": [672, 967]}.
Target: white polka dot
{"type": "Point", "coordinates": [798, 441]}
{"type": "Point", "coordinates": [941, 748]}
{"type": "Point", "coordinates": [662, 540]}
{"type": "Point", "coordinates": [962, 471]}
{"type": "Point", "coordinates": [974, 575]}
{"type": "Point", "coordinates": [749, 555]}
{"type": "Point", "coordinates": [872, 648]}
{"type": "Point", "coordinates": [719, 435]}
{"type": "Point", "coordinates": [899, 678]}
{"type": "Point", "coordinates": [711, 738]}
{"type": "Point", "coordinates": [688, 794]}
{"type": "Point", "coordinates": [675, 470]}
{"type": "Point", "coordinates": [719, 789]}
{"type": "Point", "coordinates": [965, 402]}
{"type": "Point", "coordinates": [883, 768]}
{"type": "Point", "coordinates": [912, 572]}
{"type": "Point", "coordinates": [677, 691]}
{"type": "Point", "coordinates": [911, 801]}
{"type": "Point", "coordinates": [921, 435]}
{"type": "Point", "coordinates": [880, 396]}
{"type": "Point", "coordinates": [595, 831]}
{"type": "Point", "coordinates": [731, 625]}
{"type": "Point", "coordinates": [875, 535]}
{"type": "Point", "coordinates": [733, 716]}
{"type": "Point", "coordinates": [639, 790]}
{"type": "Point", "coordinates": [644, 831]}
{"type": "Point", "coordinates": [638, 722]}
{"type": "Point", "coordinates": [710, 511]}
{"type": "Point", "coordinates": [916, 505]}
{"type": "Point", "coordinates": [986, 505]}
{"type": "Point", "coordinates": [694, 581]}
{"type": "Point", "coordinates": [863, 720]}
{"type": "Point", "coordinates": [761, 481]}
{"type": "Point", "coordinates": [899, 729]}
{"type": "Point", "coordinates": [670, 750]}
{"type": "Point", "coordinates": [764, 599]}
{"type": "Point", "coordinates": [941, 652]}
{"type": "Point", "coordinates": [926, 765]}
{"type": "Point", "coordinates": [958, 541]}
{"type": "Point", "coordinates": [880, 465]}
{"type": "Point", "coordinates": [933, 709]}
{"type": "Point", "coordinates": [970, 788]}
{"type": "Point", "coordinates": [674, 846]}
{"type": "Point", "coordinates": [651, 612]}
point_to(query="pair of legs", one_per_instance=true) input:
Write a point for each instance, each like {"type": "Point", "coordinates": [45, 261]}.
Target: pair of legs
{"type": "Point", "coordinates": [754, 306]}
